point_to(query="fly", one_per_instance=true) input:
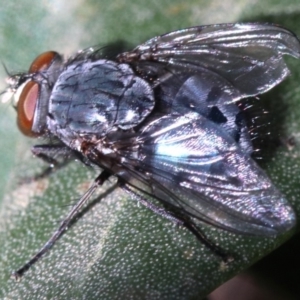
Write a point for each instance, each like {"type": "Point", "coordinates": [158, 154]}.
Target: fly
{"type": "Point", "coordinates": [162, 118]}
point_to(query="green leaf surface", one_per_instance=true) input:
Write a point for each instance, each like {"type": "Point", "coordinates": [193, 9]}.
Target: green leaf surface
{"type": "Point", "coordinates": [116, 249]}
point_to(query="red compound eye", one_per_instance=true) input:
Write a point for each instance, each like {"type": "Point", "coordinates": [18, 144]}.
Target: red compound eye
{"type": "Point", "coordinates": [26, 107]}
{"type": "Point", "coordinates": [42, 62]}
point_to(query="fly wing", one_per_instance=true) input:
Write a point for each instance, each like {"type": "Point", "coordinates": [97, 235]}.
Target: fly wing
{"type": "Point", "coordinates": [193, 166]}
{"type": "Point", "coordinates": [248, 55]}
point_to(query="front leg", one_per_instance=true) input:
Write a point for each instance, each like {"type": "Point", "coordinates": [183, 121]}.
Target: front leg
{"type": "Point", "coordinates": [56, 156]}
{"type": "Point", "coordinates": [50, 153]}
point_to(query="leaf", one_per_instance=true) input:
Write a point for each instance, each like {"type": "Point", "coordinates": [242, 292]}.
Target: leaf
{"type": "Point", "coordinates": [117, 249]}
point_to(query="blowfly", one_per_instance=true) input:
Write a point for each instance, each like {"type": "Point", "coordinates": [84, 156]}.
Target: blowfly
{"type": "Point", "coordinates": [163, 120]}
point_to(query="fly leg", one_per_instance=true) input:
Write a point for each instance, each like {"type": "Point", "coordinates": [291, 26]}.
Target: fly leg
{"type": "Point", "coordinates": [181, 220]}
{"type": "Point", "coordinates": [64, 224]}
{"type": "Point", "coordinates": [50, 155]}
{"type": "Point", "coordinates": [156, 209]}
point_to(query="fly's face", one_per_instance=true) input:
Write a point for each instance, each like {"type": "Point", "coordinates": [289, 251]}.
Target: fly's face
{"type": "Point", "coordinates": [32, 93]}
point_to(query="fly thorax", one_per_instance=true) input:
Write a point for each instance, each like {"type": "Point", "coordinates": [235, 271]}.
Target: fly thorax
{"type": "Point", "coordinates": [93, 98]}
